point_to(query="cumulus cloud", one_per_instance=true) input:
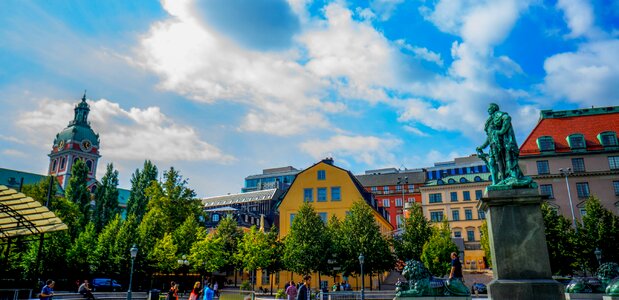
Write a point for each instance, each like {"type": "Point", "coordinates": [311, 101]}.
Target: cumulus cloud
{"type": "Point", "coordinates": [370, 150]}
{"type": "Point", "coordinates": [580, 18]}
{"type": "Point", "coordinates": [134, 134]}
{"type": "Point", "coordinates": [587, 76]}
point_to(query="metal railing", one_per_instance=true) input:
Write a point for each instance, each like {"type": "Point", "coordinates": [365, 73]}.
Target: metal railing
{"type": "Point", "coordinates": [356, 295]}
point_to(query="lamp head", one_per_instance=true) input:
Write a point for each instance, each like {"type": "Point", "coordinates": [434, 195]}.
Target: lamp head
{"type": "Point", "coordinates": [598, 253]}
{"type": "Point", "coordinates": [134, 251]}
{"type": "Point", "coordinates": [361, 258]}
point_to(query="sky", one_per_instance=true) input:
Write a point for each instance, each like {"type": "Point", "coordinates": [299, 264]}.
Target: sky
{"type": "Point", "coordinates": [221, 89]}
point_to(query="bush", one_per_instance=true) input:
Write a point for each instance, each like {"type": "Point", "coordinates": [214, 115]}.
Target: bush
{"type": "Point", "coordinates": [281, 294]}
{"type": "Point", "coordinates": [245, 286]}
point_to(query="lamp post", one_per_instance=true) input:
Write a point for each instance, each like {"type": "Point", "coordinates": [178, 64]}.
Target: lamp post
{"type": "Point", "coordinates": [567, 172]}
{"type": "Point", "coordinates": [134, 253]}
{"type": "Point", "coordinates": [361, 259]}
{"type": "Point", "coordinates": [183, 262]}
{"type": "Point", "coordinates": [403, 182]}
{"type": "Point", "coordinates": [598, 256]}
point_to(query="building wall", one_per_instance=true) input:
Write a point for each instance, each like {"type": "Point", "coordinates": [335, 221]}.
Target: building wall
{"type": "Point", "coordinates": [472, 252]}
{"type": "Point", "coordinates": [395, 208]}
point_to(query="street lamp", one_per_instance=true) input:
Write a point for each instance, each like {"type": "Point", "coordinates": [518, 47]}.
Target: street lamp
{"type": "Point", "coordinates": [598, 255]}
{"type": "Point", "coordinates": [183, 262]}
{"type": "Point", "coordinates": [361, 259]}
{"type": "Point", "coordinates": [403, 182]}
{"type": "Point", "coordinates": [134, 253]}
{"type": "Point", "coordinates": [567, 172]}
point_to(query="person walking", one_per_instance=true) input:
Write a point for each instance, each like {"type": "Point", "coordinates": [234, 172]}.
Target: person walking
{"type": "Point", "coordinates": [173, 292]}
{"type": "Point", "coordinates": [291, 291]}
{"type": "Point", "coordinates": [304, 291]}
{"type": "Point", "coordinates": [195, 292]}
{"type": "Point", "coordinates": [85, 290]}
{"type": "Point", "coordinates": [216, 288]}
{"type": "Point", "coordinates": [208, 293]}
{"type": "Point", "coordinates": [48, 290]}
{"type": "Point", "coordinates": [456, 267]}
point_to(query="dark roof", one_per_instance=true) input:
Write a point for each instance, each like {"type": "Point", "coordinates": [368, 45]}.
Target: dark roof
{"type": "Point", "coordinates": [367, 180]}
{"type": "Point", "coordinates": [227, 200]}
{"type": "Point", "coordinates": [12, 179]}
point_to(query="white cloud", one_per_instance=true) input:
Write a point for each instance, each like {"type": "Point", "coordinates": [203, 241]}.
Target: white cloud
{"type": "Point", "coordinates": [587, 76]}
{"type": "Point", "coordinates": [580, 18]}
{"type": "Point", "coordinates": [370, 150]}
{"type": "Point", "coordinates": [414, 130]}
{"type": "Point", "coordinates": [14, 153]}
{"type": "Point", "coordinates": [385, 8]}
{"type": "Point", "coordinates": [134, 134]}
{"type": "Point", "coordinates": [421, 52]}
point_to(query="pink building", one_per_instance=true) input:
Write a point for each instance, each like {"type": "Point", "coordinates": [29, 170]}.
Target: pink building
{"type": "Point", "coordinates": [575, 149]}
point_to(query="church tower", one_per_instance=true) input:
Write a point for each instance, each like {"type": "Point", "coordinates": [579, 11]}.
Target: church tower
{"type": "Point", "coordinates": [77, 141]}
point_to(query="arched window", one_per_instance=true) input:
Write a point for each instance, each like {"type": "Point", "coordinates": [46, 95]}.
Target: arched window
{"type": "Point", "coordinates": [477, 179]}
{"type": "Point", "coordinates": [63, 163]}
{"type": "Point", "coordinates": [440, 182]}
{"type": "Point", "coordinates": [54, 165]}
{"type": "Point", "coordinates": [451, 180]}
{"type": "Point", "coordinates": [463, 180]}
{"type": "Point", "coordinates": [89, 165]}
{"type": "Point", "coordinates": [215, 218]}
{"type": "Point", "coordinates": [608, 139]}
{"type": "Point", "coordinates": [576, 141]}
{"type": "Point", "coordinates": [545, 143]}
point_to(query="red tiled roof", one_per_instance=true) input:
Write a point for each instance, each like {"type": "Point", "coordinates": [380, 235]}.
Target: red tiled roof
{"type": "Point", "coordinates": [560, 128]}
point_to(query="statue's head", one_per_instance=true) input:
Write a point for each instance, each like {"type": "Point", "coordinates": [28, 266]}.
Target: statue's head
{"type": "Point", "coordinates": [492, 108]}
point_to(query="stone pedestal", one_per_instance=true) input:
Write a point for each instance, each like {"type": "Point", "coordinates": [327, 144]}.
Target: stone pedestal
{"type": "Point", "coordinates": [518, 245]}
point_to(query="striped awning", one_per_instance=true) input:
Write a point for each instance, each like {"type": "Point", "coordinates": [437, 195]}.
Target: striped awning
{"type": "Point", "coordinates": [21, 215]}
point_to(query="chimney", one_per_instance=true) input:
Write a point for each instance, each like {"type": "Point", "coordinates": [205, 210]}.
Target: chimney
{"type": "Point", "coordinates": [328, 160]}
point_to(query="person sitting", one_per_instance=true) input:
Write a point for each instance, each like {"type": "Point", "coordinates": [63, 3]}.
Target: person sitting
{"type": "Point", "coordinates": [85, 290]}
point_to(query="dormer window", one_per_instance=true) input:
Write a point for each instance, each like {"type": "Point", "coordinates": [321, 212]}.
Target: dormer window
{"type": "Point", "coordinates": [608, 139]}
{"type": "Point", "coordinates": [576, 141]}
{"type": "Point", "coordinates": [545, 143]}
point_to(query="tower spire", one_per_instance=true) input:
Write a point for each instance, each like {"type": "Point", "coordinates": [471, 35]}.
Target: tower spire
{"type": "Point", "coordinates": [81, 112]}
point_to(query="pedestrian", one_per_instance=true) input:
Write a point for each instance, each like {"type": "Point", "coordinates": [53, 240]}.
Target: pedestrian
{"type": "Point", "coordinates": [304, 291]}
{"type": "Point", "coordinates": [291, 291]}
{"type": "Point", "coordinates": [195, 292]}
{"type": "Point", "coordinates": [85, 290]}
{"type": "Point", "coordinates": [48, 290]}
{"type": "Point", "coordinates": [216, 288]}
{"type": "Point", "coordinates": [173, 292]}
{"type": "Point", "coordinates": [208, 293]}
{"type": "Point", "coordinates": [456, 267]}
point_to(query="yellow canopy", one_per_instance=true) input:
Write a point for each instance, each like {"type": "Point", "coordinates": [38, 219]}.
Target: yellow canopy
{"type": "Point", "coordinates": [21, 215]}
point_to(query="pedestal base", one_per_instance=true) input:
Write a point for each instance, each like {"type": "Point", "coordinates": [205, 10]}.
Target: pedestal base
{"type": "Point", "coordinates": [611, 298]}
{"type": "Point", "coordinates": [583, 296]}
{"type": "Point", "coordinates": [435, 298]}
{"type": "Point", "coordinates": [531, 289]}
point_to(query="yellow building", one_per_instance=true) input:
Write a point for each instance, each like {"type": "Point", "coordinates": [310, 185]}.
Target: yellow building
{"type": "Point", "coordinates": [331, 191]}
{"type": "Point", "coordinates": [455, 198]}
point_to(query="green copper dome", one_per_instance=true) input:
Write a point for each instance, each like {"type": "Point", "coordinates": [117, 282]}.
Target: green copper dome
{"type": "Point", "coordinates": [79, 128]}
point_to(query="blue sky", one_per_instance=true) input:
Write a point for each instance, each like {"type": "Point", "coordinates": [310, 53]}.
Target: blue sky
{"type": "Point", "coordinates": [221, 89]}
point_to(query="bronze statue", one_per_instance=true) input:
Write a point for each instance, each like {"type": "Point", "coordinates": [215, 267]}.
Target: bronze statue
{"type": "Point", "coordinates": [502, 159]}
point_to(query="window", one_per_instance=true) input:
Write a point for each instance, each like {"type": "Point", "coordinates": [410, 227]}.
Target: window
{"type": "Point", "coordinates": [481, 214]}
{"type": "Point", "coordinates": [583, 212]}
{"type": "Point", "coordinates": [265, 277]}
{"type": "Point", "coordinates": [470, 235]}
{"type": "Point", "coordinates": [468, 214]}
{"type": "Point", "coordinates": [322, 175]}
{"type": "Point", "coordinates": [608, 139]}
{"type": "Point", "coordinates": [466, 195]}
{"type": "Point", "coordinates": [385, 202]}
{"type": "Point", "coordinates": [616, 186]}
{"type": "Point", "coordinates": [291, 219]}
{"type": "Point", "coordinates": [89, 165]}
{"type": "Point", "coordinates": [583, 189]}
{"type": "Point", "coordinates": [374, 189]}
{"type": "Point", "coordinates": [457, 234]}
{"type": "Point", "coordinates": [411, 187]}
{"type": "Point", "coordinates": [398, 220]}
{"type": "Point", "coordinates": [542, 167]}
{"type": "Point", "coordinates": [545, 143]}
{"type": "Point", "coordinates": [578, 164]}
{"type": "Point", "coordinates": [398, 188]}
{"type": "Point", "coordinates": [398, 202]}
{"type": "Point", "coordinates": [54, 164]}
{"type": "Point", "coordinates": [576, 141]}
{"type": "Point", "coordinates": [463, 180]}
{"type": "Point", "coordinates": [321, 194]}
{"type": "Point", "coordinates": [215, 218]}
{"type": "Point", "coordinates": [454, 196]}
{"type": "Point", "coordinates": [436, 198]}
{"type": "Point", "coordinates": [386, 188]}
{"type": "Point", "coordinates": [451, 181]}
{"type": "Point", "coordinates": [546, 189]}
{"type": "Point", "coordinates": [336, 193]}
{"type": "Point", "coordinates": [323, 217]}
{"type": "Point", "coordinates": [478, 194]}
{"type": "Point", "coordinates": [455, 215]}
{"type": "Point", "coordinates": [477, 179]}
{"type": "Point", "coordinates": [307, 195]}
{"type": "Point", "coordinates": [613, 162]}
{"type": "Point", "coordinates": [436, 216]}
{"type": "Point", "coordinates": [63, 163]}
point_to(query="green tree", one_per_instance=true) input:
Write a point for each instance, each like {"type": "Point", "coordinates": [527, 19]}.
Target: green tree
{"type": "Point", "coordinates": [52, 259]}
{"type": "Point", "coordinates": [81, 254]}
{"type": "Point", "coordinates": [560, 237]}
{"type": "Point", "coordinates": [106, 198]}
{"type": "Point", "coordinates": [38, 191]}
{"type": "Point", "coordinates": [140, 181]}
{"type": "Point", "coordinates": [186, 235]}
{"type": "Point", "coordinates": [164, 254]}
{"type": "Point", "coordinates": [305, 243]}
{"type": "Point", "coordinates": [437, 251]}
{"type": "Point", "coordinates": [77, 191]}
{"type": "Point", "coordinates": [104, 257]}
{"type": "Point", "coordinates": [126, 237]}
{"type": "Point", "coordinates": [416, 232]}
{"type": "Point", "coordinates": [600, 229]}
{"type": "Point", "coordinates": [335, 251]}
{"type": "Point", "coordinates": [361, 235]}
{"type": "Point", "coordinates": [206, 255]}
{"type": "Point", "coordinates": [255, 250]}
{"type": "Point", "coordinates": [485, 242]}
{"type": "Point", "coordinates": [175, 198]}
{"type": "Point", "coordinates": [151, 229]}
{"type": "Point", "coordinates": [228, 231]}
